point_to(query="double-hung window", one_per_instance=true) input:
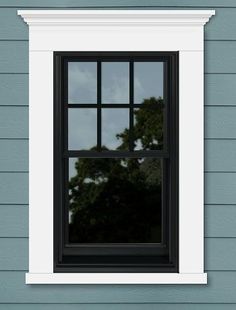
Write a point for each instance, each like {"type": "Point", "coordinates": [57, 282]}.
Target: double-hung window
{"type": "Point", "coordinates": [116, 162]}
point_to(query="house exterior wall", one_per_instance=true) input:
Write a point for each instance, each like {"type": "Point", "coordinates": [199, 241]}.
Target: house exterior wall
{"type": "Point", "coordinates": [220, 172]}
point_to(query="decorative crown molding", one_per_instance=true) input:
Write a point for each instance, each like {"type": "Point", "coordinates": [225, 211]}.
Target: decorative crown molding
{"type": "Point", "coordinates": [116, 17]}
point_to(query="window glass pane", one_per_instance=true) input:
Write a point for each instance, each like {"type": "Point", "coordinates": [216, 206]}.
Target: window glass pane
{"type": "Point", "coordinates": [82, 82]}
{"type": "Point", "coordinates": [72, 165]}
{"type": "Point", "coordinates": [82, 129]}
{"type": "Point", "coordinates": [148, 129]}
{"type": "Point", "coordinates": [114, 200]}
{"type": "Point", "coordinates": [115, 82]}
{"type": "Point", "coordinates": [148, 80]}
{"type": "Point", "coordinates": [115, 124]}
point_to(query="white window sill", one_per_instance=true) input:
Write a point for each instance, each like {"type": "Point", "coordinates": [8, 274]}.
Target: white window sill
{"type": "Point", "coordinates": [116, 278]}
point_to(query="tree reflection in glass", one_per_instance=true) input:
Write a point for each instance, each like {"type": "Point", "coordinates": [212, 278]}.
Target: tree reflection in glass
{"type": "Point", "coordinates": [119, 200]}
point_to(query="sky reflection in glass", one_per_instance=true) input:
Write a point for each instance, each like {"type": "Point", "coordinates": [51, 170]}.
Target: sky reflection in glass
{"type": "Point", "coordinates": [82, 82]}
{"type": "Point", "coordinates": [115, 82]}
{"type": "Point", "coordinates": [114, 122]}
{"type": "Point", "coordinates": [82, 129]}
{"type": "Point", "coordinates": [148, 80]}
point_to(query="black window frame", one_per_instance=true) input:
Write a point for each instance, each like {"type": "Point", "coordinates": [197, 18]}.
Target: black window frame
{"type": "Point", "coordinates": [107, 257]}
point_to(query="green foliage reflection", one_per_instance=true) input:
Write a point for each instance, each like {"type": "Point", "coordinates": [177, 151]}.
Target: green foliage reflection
{"type": "Point", "coordinates": [118, 200]}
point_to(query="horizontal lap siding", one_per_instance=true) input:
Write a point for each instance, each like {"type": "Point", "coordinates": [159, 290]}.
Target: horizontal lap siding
{"type": "Point", "coordinates": [14, 122]}
{"type": "Point", "coordinates": [220, 173]}
{"type": "Point", "coordinates": [14, 155]}
{"type": "Point", "coordinates": [126, 306]}
{"type": "Point", "coordinates": [14, 188]}
{"type": "Point", "coordinates": [220, 155]}
{"type": "Point", "coordinates": [116, 307]}
{"type": "Point", "coordinates": [13, 221]}
{"type": "Point", "coordinates": [14, 89]}
{"type": "Point", "coordinates": [118, 3]}
{"type": "Point", "coordinates": [220, 89]}
{"type": "Point", "coordinates": [14, 57]}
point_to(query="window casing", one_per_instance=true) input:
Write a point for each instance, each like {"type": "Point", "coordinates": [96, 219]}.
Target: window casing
{"type": "Point", "coordinates": [161, 256]}
{"type": "Point", "coordinates": [117, 30]}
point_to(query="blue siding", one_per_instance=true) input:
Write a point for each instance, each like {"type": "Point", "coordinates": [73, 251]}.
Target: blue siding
{"type": "Point", "coordinates": [220, 122]}
{"type": "Point", "coordinates": [14, 188]}
{"type": "Point", "coordinates": [220, 221]}
{"type": "Point", "coordinates": [220, 155]}
{"type": "Point", "coordinates": [220, 172]}
{"type": "Point", "coordinates": [13, 221]}
{"type": "Point", "coordinates": [160, 306]}
{"type": "Point", "coordinates": [14, 155]}
{"type": "Point", "coordinates": [14, 57]}
{"type": "Point", "coordinates": [13, 122]}
{"type": "Point", "coordinates": [220, 89]}
{"type": "Point", "coordinates": [14, 89]}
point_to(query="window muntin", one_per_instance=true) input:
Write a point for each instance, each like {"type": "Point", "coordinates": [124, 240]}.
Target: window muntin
{"type": "Point", "coordinates": [141, 139]}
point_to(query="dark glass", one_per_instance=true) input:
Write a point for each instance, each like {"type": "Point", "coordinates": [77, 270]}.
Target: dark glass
{"type": "Point", "coordinates": [72, 172]}
{"type": "Point", "coordinates": [114, 200]}
{"type": "Point", "coordinates": [148, 130]}
{"type": "Point", "coordinates": [82, 82]}
{"type": "Point", "coordinates": [82, 129]}
{"type": "Point", "coordinates": [115, 82]}
{"type": "Point", "coordinates": [115, 123]}
{"type": "Point", "coordinates": [148, 80]}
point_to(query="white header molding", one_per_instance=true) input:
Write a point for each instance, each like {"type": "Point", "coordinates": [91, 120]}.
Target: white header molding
{"type": "Point", "coordinates": [116, 17]}
{"type": "Point", "coordinates": [121, 30]}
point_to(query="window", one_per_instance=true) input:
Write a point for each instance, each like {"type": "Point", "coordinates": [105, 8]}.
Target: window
{"type": "Point", "coordinates": [103, 33]}
{"type": "Point", "coordinates": [116, 162]}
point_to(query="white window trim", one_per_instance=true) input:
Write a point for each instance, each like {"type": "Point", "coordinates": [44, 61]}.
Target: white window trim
{"type": "Point", "coordinates": [121, 30]}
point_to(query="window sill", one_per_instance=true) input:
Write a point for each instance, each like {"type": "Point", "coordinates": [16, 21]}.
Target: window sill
{"type": "Point", "coordinates": [116, 278]}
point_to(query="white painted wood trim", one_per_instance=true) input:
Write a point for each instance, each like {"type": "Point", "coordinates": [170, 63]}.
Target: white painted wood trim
{"type": "Point", "coordinates": [109, 30]}
{"type": "Point", "coordinates": [191, 162]}
{"type": "Point", "coordinates": [116, 278]}
{"type": "Point", "coordinates": [116, 17]}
